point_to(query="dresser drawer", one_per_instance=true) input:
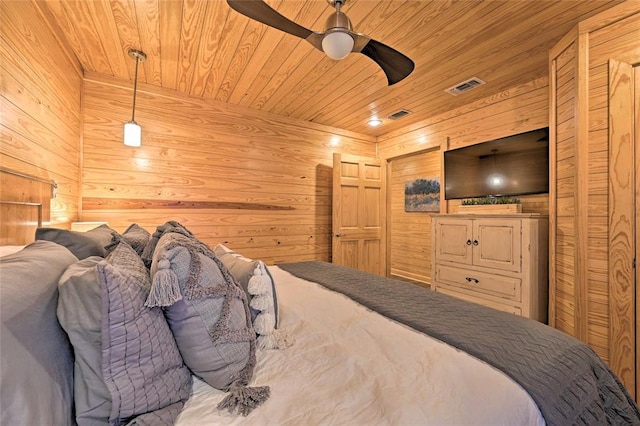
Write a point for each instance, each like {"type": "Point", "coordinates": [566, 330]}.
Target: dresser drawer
{"type": "Point", "coordinates": [469, 298]}
{"type": "Point", "coordinates": [480, 282]}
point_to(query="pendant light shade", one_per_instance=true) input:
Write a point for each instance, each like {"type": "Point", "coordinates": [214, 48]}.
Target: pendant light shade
{"type": "Point", "coordinates": [132, 134]}
{"type": "Point", "coordinates": [132, 131]}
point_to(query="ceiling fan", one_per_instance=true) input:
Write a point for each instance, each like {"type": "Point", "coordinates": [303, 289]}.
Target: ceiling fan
{"type": "Point", "coordinates": [336, 41]}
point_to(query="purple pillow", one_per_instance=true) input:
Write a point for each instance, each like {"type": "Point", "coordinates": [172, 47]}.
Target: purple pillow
{"type": "Point", "coordinates": [141, 364]}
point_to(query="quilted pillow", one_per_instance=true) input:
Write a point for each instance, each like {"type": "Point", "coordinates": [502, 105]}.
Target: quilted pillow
{"type": "Point", "coordinates": [209, 317]}
{"type": "Point", "coordinates": [127, 362]}
{"type": "Point", "coordinates": [255, 279]}
{"type": "Point", "coordinates": [137, 237]}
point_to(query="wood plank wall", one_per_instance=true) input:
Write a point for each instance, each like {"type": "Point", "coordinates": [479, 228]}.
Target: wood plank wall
{"type": "Point", "coordinates": [410, 232]}
{"type": "Point", "coordinates": [583, 301]}
{"type": "Point", "coordinates": [411, 154]}
{"type": "Point", "coordinates": [257, 182]}
{"type": "Point", "coordinates": [40, 102]}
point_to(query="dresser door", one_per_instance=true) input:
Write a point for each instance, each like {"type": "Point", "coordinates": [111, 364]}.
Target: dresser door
{"type": "Point", "coordinates": [453, 241]}
{"type": "Point", "coordinates": [497, 243]}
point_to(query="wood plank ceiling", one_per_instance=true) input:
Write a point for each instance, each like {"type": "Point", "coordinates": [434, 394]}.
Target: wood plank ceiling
{"type": "Point", "coordinates": [204, 48]}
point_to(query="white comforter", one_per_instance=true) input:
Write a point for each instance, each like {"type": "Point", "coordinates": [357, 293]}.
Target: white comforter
{"type": "Point", "coordinates": [351, 366]}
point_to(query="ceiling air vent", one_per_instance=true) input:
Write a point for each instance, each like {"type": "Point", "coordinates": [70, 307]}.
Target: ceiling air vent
{"type": "Point", "coordinates": [465, 86]}
{"type": "Point", "coordinates": [399, 114]}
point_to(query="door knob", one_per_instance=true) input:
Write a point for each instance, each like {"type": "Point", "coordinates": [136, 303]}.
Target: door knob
{"type": "Point", "coordinates": [339, 235]}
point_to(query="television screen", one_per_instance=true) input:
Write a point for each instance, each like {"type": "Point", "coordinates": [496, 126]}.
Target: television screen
{"type": "Point", "coordinates": [515, 165]}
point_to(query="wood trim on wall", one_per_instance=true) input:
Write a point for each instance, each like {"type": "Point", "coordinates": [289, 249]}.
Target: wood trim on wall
{"type": "Point", "coordinates": [582, 188]}
{"type": "Point", "coordinates": [636, 73]}
{"type": "Point", "coordinates": [553, 89]}
{"type": "Point", "coordinates": [444, 204]}
{"type": "Point", "coordinates": [91, 203]}
{"type": "Point", "coordinates": [621, 223]}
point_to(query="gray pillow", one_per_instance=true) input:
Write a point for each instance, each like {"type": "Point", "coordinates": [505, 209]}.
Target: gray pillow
{"type": "Point", "coordinates": [254, 277]}
{"type": "Point", "coordinates": [209, 317]}
{"type": "Point", "coordinates": [103, 235]}
{"type": "Point", "coordinates": [127, 362]}
{"type": "Point", "coordinates": [241, 270]}
{"type": "Point", "coordinates": [137, 237]}
{"type": "Point", "coordinates": [36, 361]}
{"type": "Point", "coordinates": [80, 313]}
{"type": "Point", "coordinates": [81, 245]}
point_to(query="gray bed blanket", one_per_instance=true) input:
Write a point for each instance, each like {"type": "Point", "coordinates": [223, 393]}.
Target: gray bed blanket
{"type": "Point", "coordinates": [566, 378]}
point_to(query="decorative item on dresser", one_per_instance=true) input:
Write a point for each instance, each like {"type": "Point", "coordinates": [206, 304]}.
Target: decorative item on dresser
{"type": "Point", "coordinates": [498, 261]}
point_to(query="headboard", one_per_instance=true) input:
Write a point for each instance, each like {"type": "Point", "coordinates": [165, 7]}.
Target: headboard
{"type": "Point", "coordinates": [25, 204]}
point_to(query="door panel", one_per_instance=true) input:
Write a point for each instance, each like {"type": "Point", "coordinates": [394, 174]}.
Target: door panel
{"type": "Point", "coordinates": [496, 244]}
{"type": "Point", "coordinates": [453, 240]}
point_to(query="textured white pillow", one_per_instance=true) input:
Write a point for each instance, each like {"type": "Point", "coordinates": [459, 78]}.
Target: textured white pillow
{"type": "Point", "coordinates": [254, 277]}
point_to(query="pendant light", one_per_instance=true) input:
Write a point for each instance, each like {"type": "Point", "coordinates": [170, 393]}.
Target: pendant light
{"type": "Point", "coordinates": [132, 131]}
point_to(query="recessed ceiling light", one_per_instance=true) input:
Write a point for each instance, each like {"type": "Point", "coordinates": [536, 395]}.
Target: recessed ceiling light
{"type": "Point", "coordinates": [374, 122]}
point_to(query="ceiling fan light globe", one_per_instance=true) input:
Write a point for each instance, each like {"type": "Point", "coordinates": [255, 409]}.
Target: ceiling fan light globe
{"type": "Point", "coordinates": [337, 45]}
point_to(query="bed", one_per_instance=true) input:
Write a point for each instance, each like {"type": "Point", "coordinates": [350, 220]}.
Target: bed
{"type": "Point", "coordinates": [324, 345]}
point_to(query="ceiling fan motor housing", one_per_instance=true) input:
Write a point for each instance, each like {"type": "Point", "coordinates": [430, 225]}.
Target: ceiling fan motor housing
{"type": "Point", "coordinates": [337, 21]}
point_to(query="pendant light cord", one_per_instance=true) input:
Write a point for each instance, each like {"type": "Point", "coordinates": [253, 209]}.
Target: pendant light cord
{"type": "Point", "coordinates": [135, 89]}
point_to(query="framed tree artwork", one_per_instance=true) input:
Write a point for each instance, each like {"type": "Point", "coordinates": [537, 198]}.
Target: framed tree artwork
{"type": "Point", "coordinates": [422, 195]}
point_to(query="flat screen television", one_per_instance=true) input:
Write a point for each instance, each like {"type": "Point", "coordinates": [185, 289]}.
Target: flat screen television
{"type": "Point", "coordinates": [511, 166]}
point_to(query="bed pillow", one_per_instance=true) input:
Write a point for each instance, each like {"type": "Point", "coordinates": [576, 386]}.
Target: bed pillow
{"type": "Point", "coordinates": [81, 244]}
{"type": "Point", "coordinates": [103, 234]}
{"type": "Point", "coordinates": [36, 360]}
{"type": "Point", "coordinates": [242, 270]}
{"type": "Point", "coordinates": [170, 226]}
{"type": "Point", "coordinates": [80, 313]}
{"type": "Point", "coordinates": [209, 317]}
{"type": "Point", "coordinates": [137, 237]}
{"type": "Point", "coordinates": [127, 362]}
{"type": "Point", "coordinates": [255, 279]}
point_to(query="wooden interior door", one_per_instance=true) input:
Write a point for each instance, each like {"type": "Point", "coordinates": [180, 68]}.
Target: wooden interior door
{"type": "Point", "coordinates": [359, 195]}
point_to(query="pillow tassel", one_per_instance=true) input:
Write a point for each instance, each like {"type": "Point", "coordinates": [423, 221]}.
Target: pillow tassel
{"type": "Point", "coordinates": [258, 285]}
{"type": "Point", "coordinates": [260, 302]}
{"type": "Point", "coordinates": [264, 323]}
{"type": "Point", "coordinates": [278, 339]}
{"type": "Point", "coordinates": [165, 289]}
{"type": "Point", "coordinates": [244, 399]}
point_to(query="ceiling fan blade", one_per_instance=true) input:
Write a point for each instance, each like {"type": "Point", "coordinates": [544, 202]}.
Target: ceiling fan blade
{"type": "Point", "coordinates": [394, 64]}
{"type": "Point", "coordinates": [262, 12]}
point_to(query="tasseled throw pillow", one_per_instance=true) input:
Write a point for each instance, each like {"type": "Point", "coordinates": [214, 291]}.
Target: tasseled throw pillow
{"type": "Point", "coordinates": [254, 277]}
{"type": "Point", "coordinates": [209, 317]}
